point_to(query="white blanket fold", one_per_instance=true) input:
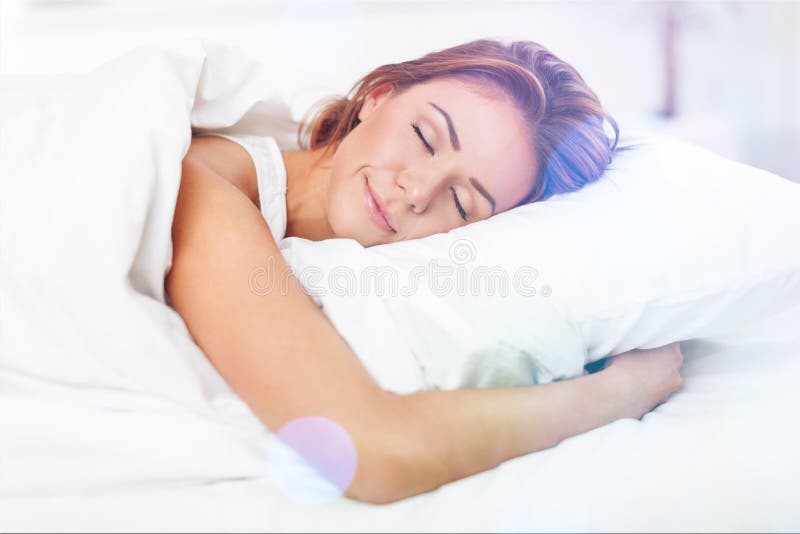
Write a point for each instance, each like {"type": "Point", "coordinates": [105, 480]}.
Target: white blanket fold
{"type": "Point", "coordinates": [89, 174]}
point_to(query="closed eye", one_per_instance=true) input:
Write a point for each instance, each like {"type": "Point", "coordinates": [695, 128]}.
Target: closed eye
{"type": "Point", "coordinates": [428, 147]}
{"type": "Point", "coordinates": [461, 211]}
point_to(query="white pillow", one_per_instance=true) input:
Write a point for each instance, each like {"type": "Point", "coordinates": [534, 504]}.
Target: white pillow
{"type": "Point", "coordinates": [672, 243]}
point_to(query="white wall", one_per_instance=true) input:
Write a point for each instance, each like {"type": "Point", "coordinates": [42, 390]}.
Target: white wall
{"type": "Point", "coordinates": [739, 61]}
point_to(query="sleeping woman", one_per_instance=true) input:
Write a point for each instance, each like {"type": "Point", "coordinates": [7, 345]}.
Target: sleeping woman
{"type": "Point", "coordinates": [420, 147]}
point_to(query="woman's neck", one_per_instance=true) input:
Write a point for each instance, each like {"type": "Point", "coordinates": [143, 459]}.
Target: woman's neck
{"type": "Point", "coordinates": [307, 194]}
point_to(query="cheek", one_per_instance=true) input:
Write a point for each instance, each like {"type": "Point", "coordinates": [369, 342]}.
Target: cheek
{"type": "Point", "coordinates": [346, 209]}
{"type": "Point", "coordinates": [437, 220]}
{"type": "Point", "coordinates": [341, 206]}
{"type": "Point", "coordinates": [383, 142]}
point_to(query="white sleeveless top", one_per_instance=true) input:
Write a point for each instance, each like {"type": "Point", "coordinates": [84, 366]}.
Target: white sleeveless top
{"type": "Point", "coordinates": [270, 176]}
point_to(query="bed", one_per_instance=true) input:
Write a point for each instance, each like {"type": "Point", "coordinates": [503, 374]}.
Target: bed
{"type": "Point", "coordinates": [111, 424]}
{"type": "Point", "coordinates": [720, 455]}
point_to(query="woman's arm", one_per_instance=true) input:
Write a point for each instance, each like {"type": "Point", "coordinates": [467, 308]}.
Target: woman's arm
{"type": "Point", "coordinates": [282, 356]}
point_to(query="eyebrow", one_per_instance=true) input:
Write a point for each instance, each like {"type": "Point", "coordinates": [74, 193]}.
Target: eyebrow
{"type": "Point", "coordinates": [456, 144]}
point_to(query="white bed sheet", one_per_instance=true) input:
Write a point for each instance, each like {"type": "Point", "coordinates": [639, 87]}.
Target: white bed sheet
{"type": "Point", "coordinates": [720, 455]}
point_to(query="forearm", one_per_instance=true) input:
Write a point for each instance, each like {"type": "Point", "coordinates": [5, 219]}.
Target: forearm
{"type": "Point", "coordinates": [454, 434]}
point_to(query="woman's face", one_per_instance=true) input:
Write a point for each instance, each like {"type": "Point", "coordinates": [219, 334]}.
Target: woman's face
{"type": "Point", "coordinates": [432, 158]}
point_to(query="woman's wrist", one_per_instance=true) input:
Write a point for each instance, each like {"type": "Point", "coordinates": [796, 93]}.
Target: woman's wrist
{"type": "Point", "coordinates": [625, 387]}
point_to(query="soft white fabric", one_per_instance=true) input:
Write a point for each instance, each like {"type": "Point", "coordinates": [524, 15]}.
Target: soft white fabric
{"type": "Point", "coordinates": [401, 309]}
{"type": "Point", "coordinates": [270, 177]}
{"type": "Point", "coordinates": [673, 243]}
{"type": "Point", "coordinates": [719, 456]}
{"type": "Point", "coordinates": [89, 174]}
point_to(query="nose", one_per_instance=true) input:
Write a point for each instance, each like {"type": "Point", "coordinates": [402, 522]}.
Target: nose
{"type": "Point", "coordinates": [421, 186]}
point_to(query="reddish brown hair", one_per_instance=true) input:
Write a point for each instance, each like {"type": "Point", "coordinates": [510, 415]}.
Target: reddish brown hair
{"type": "Point", "coordinates": [564, 116]}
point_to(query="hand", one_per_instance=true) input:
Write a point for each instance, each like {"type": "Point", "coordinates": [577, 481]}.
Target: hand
{"type": "Point", "coordinates": [649, 376]}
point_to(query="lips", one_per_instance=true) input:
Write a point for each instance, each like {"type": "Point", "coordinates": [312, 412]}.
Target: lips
{"type": "Point", "coordinates": [376, 209]}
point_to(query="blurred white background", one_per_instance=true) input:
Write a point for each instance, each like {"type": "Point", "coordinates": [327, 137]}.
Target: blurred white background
{"type": "Point", "coordinates": [724, 74]}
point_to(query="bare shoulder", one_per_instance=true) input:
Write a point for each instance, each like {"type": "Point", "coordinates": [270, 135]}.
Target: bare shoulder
{"type": "Point", "coordinates": [227, 159]}
{"type": "Point", "coordinates": [250, 315]}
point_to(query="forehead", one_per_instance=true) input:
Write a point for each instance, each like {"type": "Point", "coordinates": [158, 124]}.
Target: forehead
{"type": "Point", "coordinates": [495, 145]}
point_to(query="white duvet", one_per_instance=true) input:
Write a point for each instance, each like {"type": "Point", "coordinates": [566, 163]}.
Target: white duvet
{"type": "Point", "coordinates": [103, 393]}
{"type": "Point", "coordinates": [107, 373]}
